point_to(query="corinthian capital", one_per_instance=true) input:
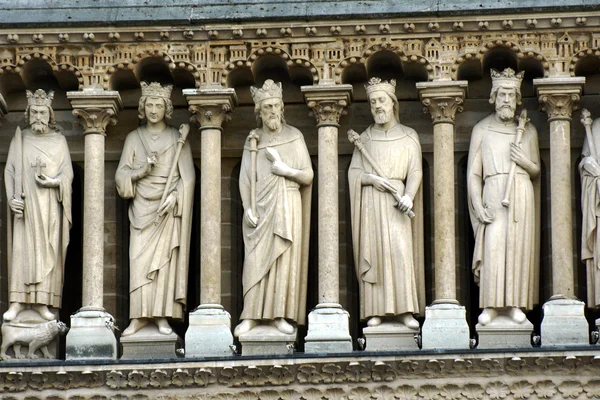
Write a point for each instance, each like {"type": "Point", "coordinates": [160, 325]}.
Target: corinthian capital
{"type": "Point", "coordinates": [559, 97]}
{"type": "Point", "coordinates": [327, 102]}
{"type": "Point", "coordinates": [95, 109]}
{"type": "Point", "coordinates": [210, 107]}
{"type": "Point", "coordinates": [442, 99]}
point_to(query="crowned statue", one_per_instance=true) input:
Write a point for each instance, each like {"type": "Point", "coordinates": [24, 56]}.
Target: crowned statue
{"type": "Point", "coordinates": [156, 172]}
{"type": "Point", "coordinates": [387, 219]}
{"type": "Point", "coordinates": [275, 185]}
{"type": "Point", "coordinates": [504, 204]}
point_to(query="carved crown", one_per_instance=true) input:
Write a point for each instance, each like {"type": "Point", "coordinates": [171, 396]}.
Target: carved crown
{"type": "Point", "coordinates": [154, 89]}
{"type": "Point", "coordinates": [40, 98]}
{"type": "Point", "coordinates": [507, 78]}
{"type": "Point", "coordinates": [269, 90]}
{"type": "Point", "coordinates": [376, 84]}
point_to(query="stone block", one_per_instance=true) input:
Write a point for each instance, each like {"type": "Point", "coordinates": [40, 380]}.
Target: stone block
{"type": "Point", "coordinates": [91, 337]}
{"type": "Point", "coordinates": [564, 323]}
{"type": "Point", "coordinates": [328, 331]}
{"type": "Point", "coordinates": [209, 333]}
{"type": "Point", "coordinates": [390, 336]}
{"type": "Point", "coordinates": [504, 333]}
{"type": "Point", "coordinates": [445, 327]}
{"type": "Point", "coordinates": [266, 340]}
{"type": "Point", "coordinates": [149, 343]}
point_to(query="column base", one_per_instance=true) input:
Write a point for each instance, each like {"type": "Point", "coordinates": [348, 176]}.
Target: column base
{"type": "Point", "coordinates": [91, 336]}
{"type": "Point", "coordinates": [209, 333]}
{"type": "Point", "coordinates": [148, 343]}
{"type": "Point", "coordinates": [445, 326]}
{"type": "Point", "coordinates": [390, 336]}
{"type": "Point", "coordinates": [504, 333]}
{"type": "Point", "coordinates": [266, 340]}
{"type": "Point", "coordinates": [328, 330]}
{"type": "Point", "coordinates": [564, 323]}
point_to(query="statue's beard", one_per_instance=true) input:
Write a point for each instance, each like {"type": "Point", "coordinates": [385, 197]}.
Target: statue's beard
{"type": "Point", "coordinates": [506, 113]}
{"type": "Point", "coordinates": [382, 116]}
{"type": "Point", "coordinates": [39, 127]}
{"type": "Point", "coordinates": [274, 124]}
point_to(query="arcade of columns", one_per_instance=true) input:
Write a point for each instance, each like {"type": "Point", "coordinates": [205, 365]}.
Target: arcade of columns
{"type": "Point", "coordinates": [438, 52]}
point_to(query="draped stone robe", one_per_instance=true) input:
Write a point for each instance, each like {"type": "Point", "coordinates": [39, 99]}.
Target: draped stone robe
{"type": "Point", "coordinates": [589, 170]}
{"type": "Point", "coordinates": [387, 244]}
{"type": "Point", "coordinates": [37, 243]}
{"type": "Point", "coordinates": [275, 273]}
{"type": "Point", "coordinates": [506, 255]}
{"type": "Point", "coordinates": [159, 246]}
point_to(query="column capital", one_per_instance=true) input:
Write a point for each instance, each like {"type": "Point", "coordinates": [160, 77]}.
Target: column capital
{"type": "Point", "coordinates": [95, 109]}
{"type": "Point", "coordinates": [211, 106]}
{"type": "Point", "coordinates": [442, 99]}
{"type": "Point", "coordinates": [559, 96]}
{"type": "Point", "coordinates": [327, 102]}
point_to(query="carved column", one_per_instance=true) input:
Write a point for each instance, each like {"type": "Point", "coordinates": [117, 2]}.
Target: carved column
{"type": "Point", "coordinates": [328, 323]}
{"type": "Point", "coordinates": [445, 320]}
{"type": "Point", "coordinates": [91, 336]}
{"type": "Point", "coordinates": [209, 333]}
{"type": "Point", "coordinates": [564, 322]}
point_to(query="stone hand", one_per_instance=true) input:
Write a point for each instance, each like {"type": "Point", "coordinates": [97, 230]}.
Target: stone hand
{"type": "Point", "coordinates": [591, 166]}
{"type": "Point", "coordinates": [17, 205]}
{"type": "Point", "coordinates": [405, 203]}
{"type": "Point", "coordinates": [168, 204]}
{"type": "Point", "coordinates": [250, 218]}
{"type": "Point", "coordinates": [46, 181]}
{"type": "Point", "coordinates": [381, 184]}
{"type": "Point", "coordinates": [483, 214]}
{"type": "Point", "coordinates": [145, 169]}
{"type": "Point", "coordinates": [280, 168]}
{"type": "Point", "coordinates": [184, 130]}
{"type": "Point", "coordinates": [518, 156]}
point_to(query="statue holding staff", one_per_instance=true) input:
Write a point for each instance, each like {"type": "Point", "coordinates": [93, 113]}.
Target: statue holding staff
{"type": "Point", "coordinates": [503, 192]}
{"type": "Point", "coordinates": [385, 187]}
{"type": "Point", "coordinates": [156, 172]}
{"type": "Point", "coordinates": [275, 185]}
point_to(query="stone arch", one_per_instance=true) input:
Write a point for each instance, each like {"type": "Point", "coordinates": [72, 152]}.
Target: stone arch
{"type": "Point", "coordinates": [33, 65]}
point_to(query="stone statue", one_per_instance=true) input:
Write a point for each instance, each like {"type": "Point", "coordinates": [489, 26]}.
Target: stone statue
{"type": "Point", "coordinates": [275, 185]}
{"type": "Point", "coordinates": [385, 180]}
{"type": "Point", "coordinates": [38, 178]}
{"type": "Point", "coordinates": [589, 170]}
{"type": "Point", "coordinates": [503, 191]}
{"type": "Point", "coordinates": [156, 172]}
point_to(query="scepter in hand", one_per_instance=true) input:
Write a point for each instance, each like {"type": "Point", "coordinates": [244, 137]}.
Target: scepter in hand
{"type": "Point", "coordinates": [354, 138]}
{"type": "Point", "coordinates": [511, 173]}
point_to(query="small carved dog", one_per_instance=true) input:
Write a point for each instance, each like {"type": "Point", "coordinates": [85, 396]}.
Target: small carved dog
{"type": "Point", "coordinates": [34, 336]}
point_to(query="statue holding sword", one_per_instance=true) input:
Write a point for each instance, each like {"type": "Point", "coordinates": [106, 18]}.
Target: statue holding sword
{"type": "Point", "coordinates": [387, 219]}
{"type": "Point", "coordinates": [156, 172]}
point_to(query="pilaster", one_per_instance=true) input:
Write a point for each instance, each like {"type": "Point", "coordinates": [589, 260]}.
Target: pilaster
{"type": "Point", "coordinates": [564, 322]}
{"type": "Point", "coordinates": [91, 335]}
{"type": "Point", "coordinates": [209, 333]}
{"type": "Point", "coordinates": [328, 323]}
{"type": "Point", "coordinates": [445, 323]}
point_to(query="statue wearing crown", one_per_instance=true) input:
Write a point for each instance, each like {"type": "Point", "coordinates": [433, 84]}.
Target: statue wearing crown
{"type": "Point", "coordinates": [38, 179]}
{"type": "Point", "coordinates": [275, 185]}
{"type": "Point", "coordinates": [387, 216]}
{"type": "Point", "coordinates": [504, 204]}
{"type": "Point", "coordinates": [156, 172]}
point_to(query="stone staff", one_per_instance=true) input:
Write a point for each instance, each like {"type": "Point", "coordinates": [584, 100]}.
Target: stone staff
{"type": "Point", "coordinates": [354, 138]}
{"type": "Point", "coordinates": [253, 143]}
{"type": "Point", "coordinates": [511, 173]}
{"type": "Point", "coordinates": [586, 120]}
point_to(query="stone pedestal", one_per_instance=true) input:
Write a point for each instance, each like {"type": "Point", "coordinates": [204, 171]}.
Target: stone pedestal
{"type": "Point", "coordinates": [95, 110]}
{"type": "Point", "coordinates": [390, 336]}
{"type": "Point", "coordinates": [504, 333]}
{"type": "Point", "coordinates": [329, 327]}
{"type": "Point", "coordinates": [209, 332]}
{"type": "Point", "coordinates": [445, 327]}
{"type": "Point", "coordinates": [266, 340]}
{"type": "Point", "coordinates": [564, 323]}
{"type": "Point", "coordinates": [91, 336]}
{"type": "Point", "coordinates": [27, 326]}
{"type": "Point", "coordinates": [149, 343]}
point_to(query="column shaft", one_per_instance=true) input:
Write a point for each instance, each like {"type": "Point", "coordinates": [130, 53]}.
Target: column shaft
{"type": "Point", "coordinates": [329, 277]}
{"type": "Point", "coordinates": [443, 204]}
{"type": "Point", "coordinates": [210, 210]}
{"type": "Point", "coordinates": [93, 228]}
